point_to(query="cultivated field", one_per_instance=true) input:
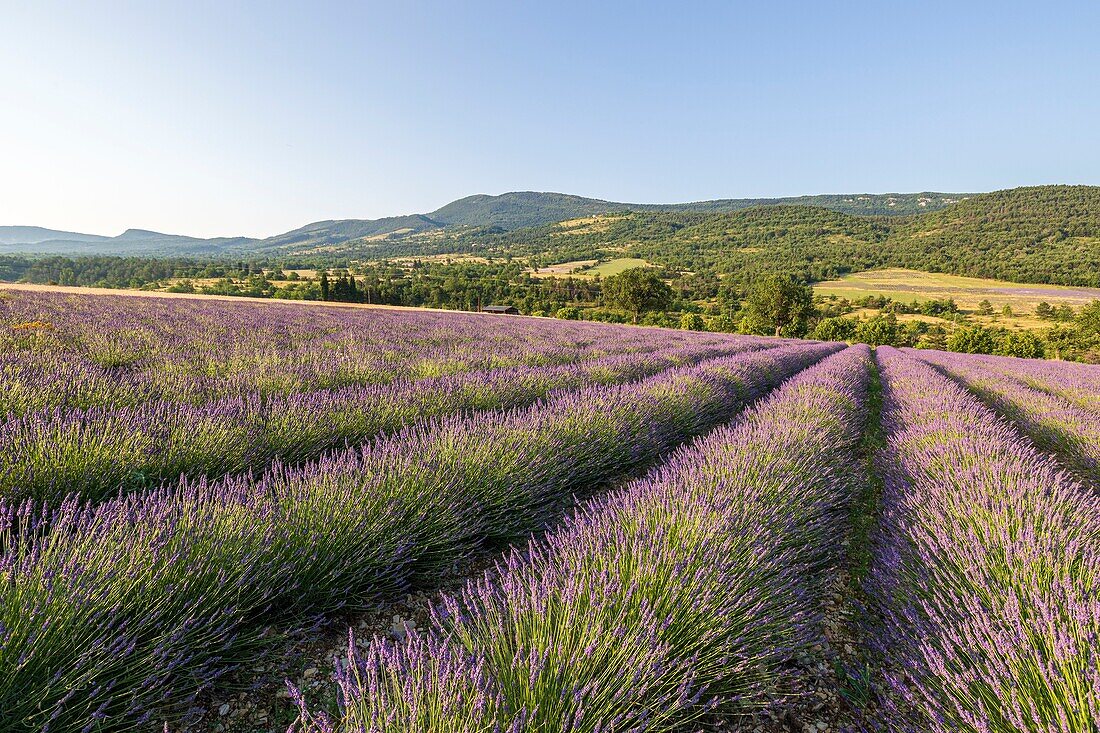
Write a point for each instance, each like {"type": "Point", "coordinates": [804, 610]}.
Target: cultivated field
{"type": "Point", "coordinates": [238, 516]}
{"type": "Point", "coordinates": [913, 286]}
{"type": "Point", "coordinates": [591, 268]}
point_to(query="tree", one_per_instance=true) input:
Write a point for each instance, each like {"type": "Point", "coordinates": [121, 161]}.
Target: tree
{"type": "Point", "coordinates": [1088, 320]}
{"type": "Point", "coordinates": [985, 308]}
{"type": "Point", "coordinates": [636, 290]}
{"type": "Point", "coordinates": [877, 331]}
{"type": "Point", "coordinates": [1007, 311]}
{"type": "Point", "coordinates": [1023, 344]}
{"type": "Point", "coordinates": [972, 340]}
{"type": "Point", "coordinates": [722, 324]}
{"type": "Point", "coordinates": [779, 304]}
{"type": "Point", "coordinates": [934, 338]}
{"type": "Point", "coordinates": [325, 289]}
{"type": "Point", "coordinates": [835, 329]}
{"type": "Point", "coordinates": [1044, 311]}
{"type": "Point", "coordinates": [692, 322]}
{"type": "Point", "coordinates": [568, 313]}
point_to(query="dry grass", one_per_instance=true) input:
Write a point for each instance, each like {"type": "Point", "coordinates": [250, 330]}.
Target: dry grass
{"type": "Point", "coordinates": [584, 225]}
{"type": "Point", "coordinates": [614, 267]}
{"type": "Point", "coordinates": [562, 268]}
{"type": "Point", "coordinates": [913, 286]}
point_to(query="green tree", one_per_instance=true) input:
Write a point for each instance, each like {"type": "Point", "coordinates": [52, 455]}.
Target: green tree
{"type": "Point", "coordinates": [834, 329]}
{"type": "Point", "coordinates": [1088, 320]}
{"type": "Point", "coordinates": [325, 288]}
{"type": "Point", "coordinates": [972, 340]}
{"type": "Point", "coordinates": [1023, 344]}
{"type": "Point", "coordinates": [636, 290]}
{"type": "Point", "coordinates": [934, 338]}
{"type": "Point", "coordinates": [692, 322]}
{"type": "Point", "coordinates": [985, 308]}
{"type": "Point", "coordinates": [877, 331]}
{"type": "Point", "coordinates": [779, 305]}
{"type": "Point", "coordinates": [568, 313]}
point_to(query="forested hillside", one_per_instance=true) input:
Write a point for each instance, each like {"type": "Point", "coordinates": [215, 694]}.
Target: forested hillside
{"type": "Point", "coordinates": [520, 209]}
{"type": "Point", "coordinates": [1046, 234]}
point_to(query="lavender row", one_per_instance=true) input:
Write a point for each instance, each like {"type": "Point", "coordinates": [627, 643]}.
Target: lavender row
{"type": "Point", "coordinates": [99, 452]}
{"type": "Point", "coordinates": [1053, 422]}
{"type": "Point", "coordinates": [691, 587]}
{"type": "Point", "coordinates": [65, 351]}
{"type": "Point", "coordinates": [1078, 383]}
{"type": "Point", "coordinates": [116, 610]}
{"type": "Point", "coordinates": [986, 572]}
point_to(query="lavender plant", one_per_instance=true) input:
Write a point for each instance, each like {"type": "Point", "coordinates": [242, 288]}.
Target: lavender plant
{"type": "Point", "coordinates": [694, 585]}
{"type": "Point", "coordinates": [1053, 422]}
{"type": "Point", "coordinates": [110, 615]}
{"type": "Point", "coordinates": [986, 577]}
{"type": "Point", "coordinates": [100, 452]}
{"type": "Point", "coordinates": [78, 352]}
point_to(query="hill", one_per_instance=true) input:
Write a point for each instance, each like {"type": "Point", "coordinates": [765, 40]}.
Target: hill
{"type": "Point", "coordinates": [33, 235]}
{"type": "Point", "coordinates": [132, 242]}
{"type": "Point", "coordinates": [1045, 234]}
{"type": "Point", "coordinates": [506, 212]}
{"type": "Point", "coordinates": [339, 231]}
{"type": "Point", "coordinates": [533, 208]}
{"type": "Point", "coordinates": [1041, 234]}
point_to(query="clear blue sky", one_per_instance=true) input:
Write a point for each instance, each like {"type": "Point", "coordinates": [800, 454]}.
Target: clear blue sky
{"type": "Point", "coordinates": [228, 118]}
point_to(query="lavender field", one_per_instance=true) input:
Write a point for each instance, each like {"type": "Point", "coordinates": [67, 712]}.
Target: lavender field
{"type": "Point", "coordinates": [221, 517]}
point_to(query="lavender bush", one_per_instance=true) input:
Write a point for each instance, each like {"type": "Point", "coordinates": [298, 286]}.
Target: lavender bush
{"type": "Point", "coordinates": [84, 351]}
{"type": "Point", "coordinates": [102, 451]}
{"type": "Point", "coordinates": [1053, 422]}
{"type": "Point", "coordinates": [986, 577]}
{"type": "Point", "coordinates": [111, 613]}
{"type": "Point", "coordinates": [695, 584]}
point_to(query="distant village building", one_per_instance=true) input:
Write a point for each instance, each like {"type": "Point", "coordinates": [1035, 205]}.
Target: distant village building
{"type": "Point", "coordinates": [509, 310]}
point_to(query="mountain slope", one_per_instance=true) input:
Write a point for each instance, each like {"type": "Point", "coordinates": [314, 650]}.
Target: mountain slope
{"type": "Point", "coordinates": [1047, 234]}
{"type": "Point", "coordinates": [132, 242]}
{"type": "Point", "coordinates": [33, 235]}
{"type": "Point", "coordinates": [1044, 234]}
{"type": "Point", "coordinates": [520, 209]}
{"type": "Point", "coordinates": [338, 231]}
{"type": "Point", "coordinates": [508, 211]}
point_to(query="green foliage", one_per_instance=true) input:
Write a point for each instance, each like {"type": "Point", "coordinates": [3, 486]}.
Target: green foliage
{"type": "Point", "coordinates": [985, 308]}
{"type": "Point", "coordinates": [1023, 344]}
{"type": "Point", "coordinates": [835, 329]}
{"type": "Point", "coordinates": [636, 290]}
{"type": "Point", "coordinates": [183, 286]}
{"type": "Point", "coordinates": [972, 340]}
{"type": "Point", "coordinates": [1088, 320]}
{"type": "Point", "coordinates": [692, 322]}
{"type": "Point", "coordinates": [877, 331]}
{"type": "Point", "coordinates": [569, 313]}
{"type": "Point", "coordinates": [779, 305]}
{"type": "Point", "coordinates": [722, 324]}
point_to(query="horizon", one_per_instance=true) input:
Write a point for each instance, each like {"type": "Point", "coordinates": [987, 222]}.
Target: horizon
{"type": "Point", "coordinates": [218, 121]}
